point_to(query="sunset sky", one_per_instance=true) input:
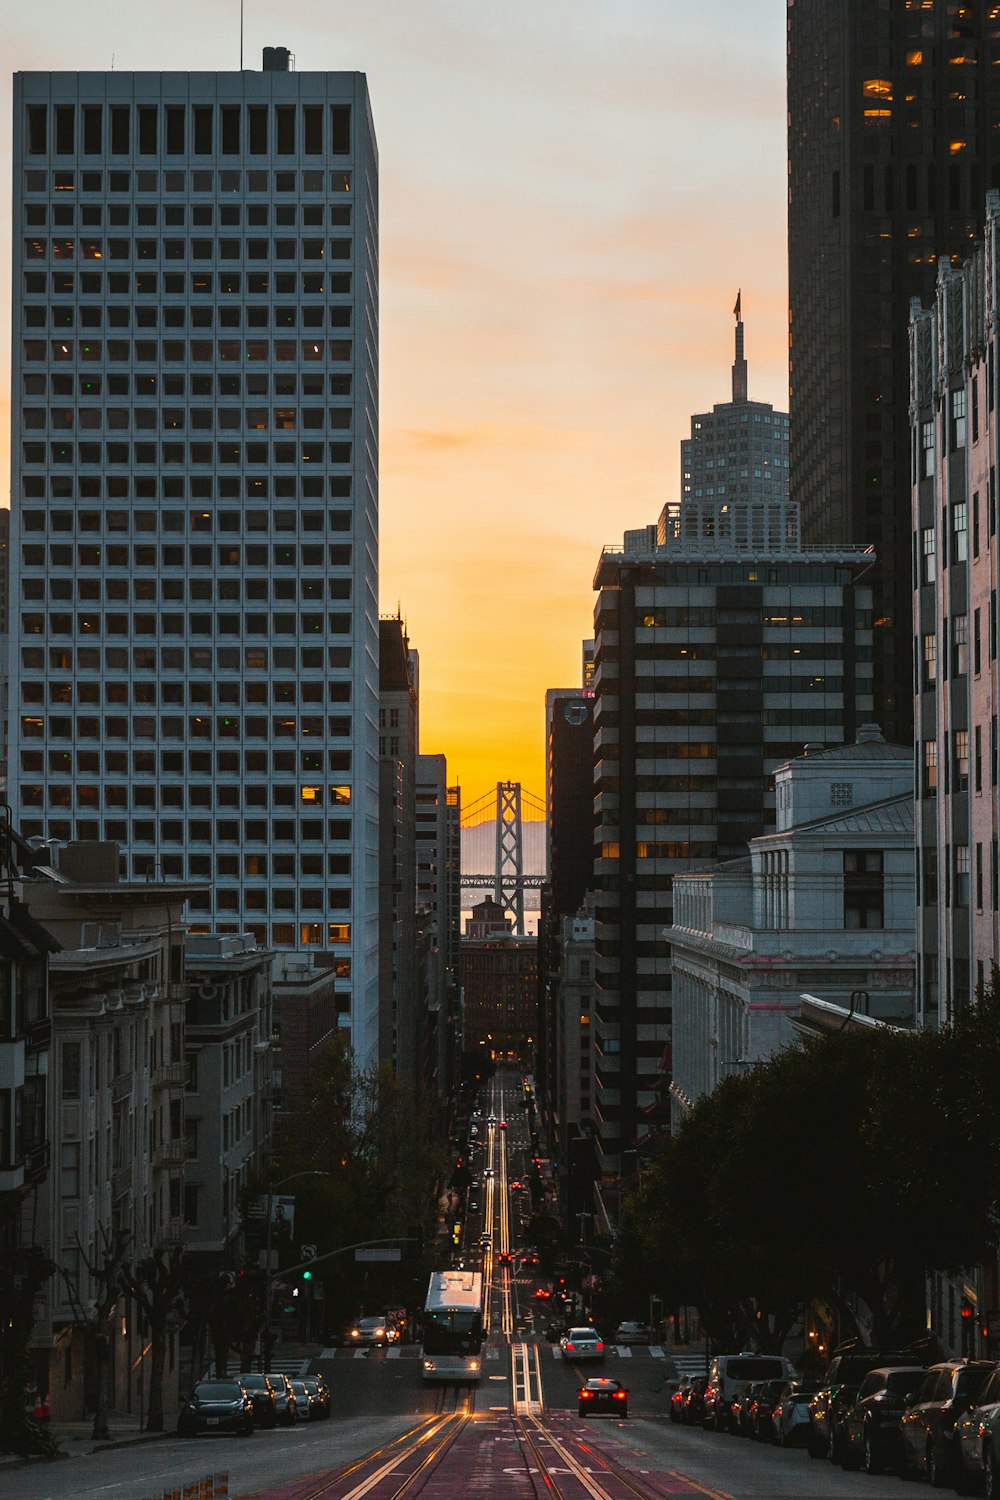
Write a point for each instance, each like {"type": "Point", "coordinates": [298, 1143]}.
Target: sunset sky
{"type": "Point", "coordinates": [571, 194]}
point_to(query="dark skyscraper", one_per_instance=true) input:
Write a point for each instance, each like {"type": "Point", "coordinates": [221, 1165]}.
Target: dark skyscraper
{"type": "Point", "coordinates": [893, 140]}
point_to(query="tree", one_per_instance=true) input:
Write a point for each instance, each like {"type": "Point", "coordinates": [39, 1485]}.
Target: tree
{"type": "Point", "coordinates": [156, 1283]}
{"type": "Point", "coordinates": [104, 1263]}
{"type": "Point", "coordinates": [831, 1171]}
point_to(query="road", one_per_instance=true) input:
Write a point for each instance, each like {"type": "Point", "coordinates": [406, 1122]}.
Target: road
{"type": "Point", "coordinates": [515, 1435]}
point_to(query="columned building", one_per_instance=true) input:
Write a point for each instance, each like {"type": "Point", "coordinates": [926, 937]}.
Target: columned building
{"type": "Point", "coordinates": [892, 145]}
{"type": "Point", "coordinates": [194, 530]}
{"type": "Point", "coordinates": [723, 646]}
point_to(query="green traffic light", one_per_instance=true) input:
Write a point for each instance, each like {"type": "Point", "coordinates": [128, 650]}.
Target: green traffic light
{"type": "Point", "coordinates": [307, 1276]}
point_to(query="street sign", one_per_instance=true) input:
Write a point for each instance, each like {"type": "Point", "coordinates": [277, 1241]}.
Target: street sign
{"type": "Point", "coordinates": [307, 1252]}
{"type": "Point", "coordinates": [382, 1252]}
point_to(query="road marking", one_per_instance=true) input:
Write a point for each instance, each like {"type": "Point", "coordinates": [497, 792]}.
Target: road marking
{"type": "Point", "coordinates": [622, 1350]}
{"type": "Point", "coordinates": [656, 1351]}
{"type": "Point", "coordinates": [702, 1489]}
{"type": "Point", "coordinates": [393, 1353]}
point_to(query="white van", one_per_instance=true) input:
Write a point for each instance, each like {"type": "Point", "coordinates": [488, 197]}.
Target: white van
{"type": "Point", "coordinates": [729, 1373]}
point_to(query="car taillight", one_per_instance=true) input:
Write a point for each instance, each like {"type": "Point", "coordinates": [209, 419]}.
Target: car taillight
{"type": "Point", "coordinates": [586, 1395]}
{"type": "Point", "coordinates": [599, 1344]}
{"type": "Point", "coordinates": [619, 1395]}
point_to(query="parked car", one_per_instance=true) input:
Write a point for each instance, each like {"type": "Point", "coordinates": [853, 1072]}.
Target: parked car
{"type": "Point", "coordinates": [977, 1443]}
{"type": "Point", "coordinates": [261, 1393]}
{"type": "Point", "coordinates": [373, 1333]}
{"type": "Point", "coordinates": [216, 1406]}
{"type": "Point", "coordinates": [790, 1418]}
{"type": "Point", "coordinates": [284, 1397]}
{"type": "Point", "coordinates": [578, 1344]}
{"type": "Point", "coordinates": [602, 1394]}
{"type": "Point", "coordinates": [633, 1333]}
{"type": "Point", "coordinates": [727, 1376]}
{"type": "Point", "coordinates": [838, 1392]}
{"type": "Point", "coordinates": [307, 1406]}
{"type": "Point", "coordinates": [741, 1407]}
{"type": "Point", "coordinates": [318, 1388]}
{"type": "Point", "coordinates": [677, 1396]}
{"type": "Point", "coordinates": [694, 1402]}
{"type": "Point", "coordinates": [871, 1425]}
{"type": "Point", "coordinates": [766, 1398]}
{"type": "Point", "coordinates": [927, 1428]}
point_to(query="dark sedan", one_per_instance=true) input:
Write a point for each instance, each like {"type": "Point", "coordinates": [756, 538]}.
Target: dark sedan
{"type": "Point", "coordinates": [603, 1394]}
{"type": "Point", "coordinates": [261, 1393]}
{"type": "Point", "coordinates": [216, 1406]}
{"type": "Point", "coordinates": [284, 1398]}
{"type": "Point", "coordinates": [318, 1389]}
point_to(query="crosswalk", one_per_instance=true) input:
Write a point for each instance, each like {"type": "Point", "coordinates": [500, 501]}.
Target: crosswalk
{"type": "Point", "coordinates": [295, 1369]}
{"type": "Point", "coordinates": [686, 1364]}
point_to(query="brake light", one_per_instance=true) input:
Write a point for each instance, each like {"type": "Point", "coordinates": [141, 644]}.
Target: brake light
{"type": "Point", "coordinates": [599, 1344]}
{"type": "Point", "coordinates": [570, 1348]}
{"type": "Point", "coordinates": [619, 1395]}
{"type": "Point", "coordinates": [586, 1395]}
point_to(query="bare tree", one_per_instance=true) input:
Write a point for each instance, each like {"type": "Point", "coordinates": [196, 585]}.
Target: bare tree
{"type": "Point", "coordinates": [156, 1283]}
{"type": "Point", "coordinates": [105, 1264]}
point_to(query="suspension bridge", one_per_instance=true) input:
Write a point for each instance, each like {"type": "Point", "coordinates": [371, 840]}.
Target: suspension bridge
{"type": "Point", "coordinates": [505, 808]}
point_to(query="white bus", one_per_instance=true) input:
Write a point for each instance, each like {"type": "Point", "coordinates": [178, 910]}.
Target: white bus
{"type": "Point", "coordinates": [453, 1327]}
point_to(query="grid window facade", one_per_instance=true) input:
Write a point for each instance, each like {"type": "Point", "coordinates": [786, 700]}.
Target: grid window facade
{"type": "Point", "coordinates": [194, 531]}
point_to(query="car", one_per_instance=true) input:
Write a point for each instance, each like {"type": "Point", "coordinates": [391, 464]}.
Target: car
{"type": "Point", "coordinates": [677, 1396]}
{"type": "Point", "coordinates": [927, 1427]}
{"type": "Point", "coordinates": [502, 1125]}
{"type": "Point", "coordinates": [693, 1407]}
{"type": "Point", "coordinates": [977, 1443]}
{"type": "Point", "coordinates": [727, 1376]}
{"type": "Point", "coordinates": [307, 1405]}
{"type": "Point", "coordinates": [633, 1333]}
{"type": "Point", "coordinates": [790, 1418]}
{"type": "Point", "coordinates": [487, 1172]}
{"type": "Point", "coordinates": [838, 1391]}
{"type": "Point", "coordinates": [870, 1429]}
{"type": "Point", "coordinates": [318, 1388]}
{"type": "Point", "coordinates": [602, 1394]}
{"type": "Point", "coordinates": [491, 1120]}
{"type": "Point", "coordinates": [741, 1409]}
{"type": "Point", "coordinates": [769, 1393]}
{"type": "Point", "coordinates": [504, 1258]}
{"type": "Point", "coordinates": [374, 1333]}
{"type": "Point", "coordinates": [485, 1240]}
{"type": "Point", "coordinates": [517, 1186]}
{"type": "Point", "coordinates": [529, 1258]}
{"type": "Point", "coordinates": [582, 1343]}
{"type": "Point", "coordinates": [261, 1393]}
{"type": "Point", "coordinates": [216, 1406]}
{"type": "Point", "coordinates": [542, 1294]}
{"type": "Point", "coordinates": [284, 1398]}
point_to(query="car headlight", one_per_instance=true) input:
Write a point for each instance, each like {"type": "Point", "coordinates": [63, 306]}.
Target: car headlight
{"type": "Point", "coordinates": [473, 1364]}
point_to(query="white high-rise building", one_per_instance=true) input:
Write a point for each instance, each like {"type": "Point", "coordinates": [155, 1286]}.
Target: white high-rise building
{"type": "Point", "coordinates": [194, 527]}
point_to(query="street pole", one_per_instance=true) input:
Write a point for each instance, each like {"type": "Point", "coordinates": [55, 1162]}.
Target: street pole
{"type": "Point", "coordinates": [267, 1342]}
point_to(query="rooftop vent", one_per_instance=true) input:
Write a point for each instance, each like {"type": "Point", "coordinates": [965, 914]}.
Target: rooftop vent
{"type": "Point", "coordinates": [870, 734]}
{"type": "Point", "coordinates": [277, 60]}
{"type": "Point", "coordinates": [814, 747]}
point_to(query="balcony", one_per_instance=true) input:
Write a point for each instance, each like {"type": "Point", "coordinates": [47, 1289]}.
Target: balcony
{"type": "Point", "coordinates": [169, 1154]}
{"type": "Point", "coordinates": [169, 1076]}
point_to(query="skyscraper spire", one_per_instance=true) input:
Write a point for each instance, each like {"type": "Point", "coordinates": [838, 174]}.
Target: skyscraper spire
{"type": "Point", "coordinates": [739, 363]}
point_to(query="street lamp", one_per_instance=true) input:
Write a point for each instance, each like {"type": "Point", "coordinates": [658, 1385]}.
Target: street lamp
{"type": "Point", "coordinates": [266, 1341]}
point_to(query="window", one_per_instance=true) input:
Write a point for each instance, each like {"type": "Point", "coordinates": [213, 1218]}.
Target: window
{"type": "Point", "coordinates": [928, 548]}
{"type": "Point", "coordinates": [958, 410]}
{"type": "Point", "coordinates": [926, 450]}
{"type": "Point", "coordinates": [961, 881]}
{"type": "Point", "coordinates": [863, 889]}
{"type": "Point", "coordinates": [960, 532]}
{"type": "Point", "coordinates": [930, 659]}
{"type": "Point", "coordinates": [959, 645]}
{"type": "Point", "coordinates": [961, 749]}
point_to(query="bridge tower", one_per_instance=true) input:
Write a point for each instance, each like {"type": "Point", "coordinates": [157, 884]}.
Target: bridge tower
{"type": "Point", "coordinates": [508, 875]}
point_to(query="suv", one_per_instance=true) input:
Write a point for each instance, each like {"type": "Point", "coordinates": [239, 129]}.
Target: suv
{"type": "Point", "coordinates": [927, 1429]}
{"type": "Point", "coordinates": [727, 1376]}
{"type": "Point", "coordinates": [839, 1391]}
{"type": "Point", "coordinates": [870, 1430]}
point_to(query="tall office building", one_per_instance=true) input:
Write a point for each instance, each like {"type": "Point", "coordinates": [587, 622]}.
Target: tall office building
{"type": "Point", "coordinates": [723, 646]}
{"type": "Point", "coordinates": [195, 513]}
{"type": "Point", "coordinates": [739, 449]}
{"type": "Point", "coordinates": [954, 353]}
{"type": "Point", "coordinates": [893, 142]}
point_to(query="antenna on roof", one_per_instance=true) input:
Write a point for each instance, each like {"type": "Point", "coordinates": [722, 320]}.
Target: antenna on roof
{"type": "Point", "coordinates": [241, 36]}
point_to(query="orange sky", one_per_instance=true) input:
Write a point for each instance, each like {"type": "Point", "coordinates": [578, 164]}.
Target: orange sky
{"type": "Point", "coordinates": [571, 194]}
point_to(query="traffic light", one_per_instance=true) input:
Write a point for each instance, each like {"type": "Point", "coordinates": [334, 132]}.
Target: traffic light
{"type": "Point", "coordinates": [307, 1276]}
{"type": "Point", "coordinates": [968, 1312]}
